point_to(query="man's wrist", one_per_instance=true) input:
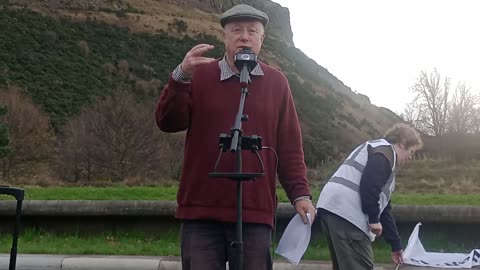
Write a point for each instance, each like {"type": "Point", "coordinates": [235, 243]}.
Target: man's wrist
{"type": "Point", "coordinates": [396, 245]}
{"type": "Point", "coordinates": [302, 198]}
{"type": "Point", "coordinates": [372, 219]}
{"type": "Point", "coordinates": [180, 76]}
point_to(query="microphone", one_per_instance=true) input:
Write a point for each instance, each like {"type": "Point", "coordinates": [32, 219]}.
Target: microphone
{"type": "Point", "coordinates": [245, 61]}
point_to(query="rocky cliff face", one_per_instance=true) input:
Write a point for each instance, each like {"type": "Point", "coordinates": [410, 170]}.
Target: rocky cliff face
{"type": "Point", "coordinates": [279, 26]}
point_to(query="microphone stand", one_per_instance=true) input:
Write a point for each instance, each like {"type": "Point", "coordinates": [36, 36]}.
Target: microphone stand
{"type": "Point", "coordinates": [235, 142]}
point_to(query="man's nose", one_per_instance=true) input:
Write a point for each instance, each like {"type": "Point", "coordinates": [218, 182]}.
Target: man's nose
{"type": "Point", "coordinates": [245, 35]}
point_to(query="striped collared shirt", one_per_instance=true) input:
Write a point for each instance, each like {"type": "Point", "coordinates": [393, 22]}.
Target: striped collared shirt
{"type": "Point", "coordinates": [225, 72]}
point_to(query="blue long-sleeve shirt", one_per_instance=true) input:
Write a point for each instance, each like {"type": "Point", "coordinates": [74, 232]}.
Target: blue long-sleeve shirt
{"type": "Point", "coordinates": [375, 176]}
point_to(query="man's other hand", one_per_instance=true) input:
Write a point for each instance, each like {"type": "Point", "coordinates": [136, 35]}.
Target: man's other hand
{"type": "Point", "coordinates": [376, 228]}
{"type": "Point", "coordinates": [303, 207]}
{"type": "Point", "coordinates": [397, 257]}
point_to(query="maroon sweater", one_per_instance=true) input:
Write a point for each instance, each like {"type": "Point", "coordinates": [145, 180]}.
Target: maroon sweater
{"type": "Point", "coordinates": [207, 107]}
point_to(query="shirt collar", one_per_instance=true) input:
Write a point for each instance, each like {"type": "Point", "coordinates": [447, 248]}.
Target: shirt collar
{"type": "Point", "coordinates": [226, 72]}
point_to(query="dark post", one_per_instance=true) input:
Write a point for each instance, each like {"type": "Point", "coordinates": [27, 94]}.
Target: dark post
{"type": "Point", "coordinates": [19, 195]}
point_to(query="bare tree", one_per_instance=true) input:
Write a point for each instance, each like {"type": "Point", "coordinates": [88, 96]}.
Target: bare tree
{"type": "Point", "coordinates": [31, 139]}
{"type": "Point", "coordinates": [77, 147]}
{"type": "Point", "coordinates": [476, 120]}
{"type": "Point", "coordinates": [414, 114]}
{"type": "Point", "coordinates": [431, 101]}
{"type": "Point", "coordinates": [173, 150]}
{"type": "Point", "coordinates": [116, 138]}
{"type": "Point", "coordinates": [4, 140]}
{"type": "Point", "coordinates": [461, 118]}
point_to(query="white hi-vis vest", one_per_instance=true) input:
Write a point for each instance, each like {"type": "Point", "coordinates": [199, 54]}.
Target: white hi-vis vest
{"type": "Point", "coordinates": [341, 194]}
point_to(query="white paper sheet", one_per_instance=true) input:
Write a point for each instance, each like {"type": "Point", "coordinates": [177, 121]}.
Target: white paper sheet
{"type": "Point", "coordinates": [295, 239]}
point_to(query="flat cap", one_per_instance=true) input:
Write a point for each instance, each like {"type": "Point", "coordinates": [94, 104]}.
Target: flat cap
{"type": "Point", "coordinates": [243, 11]}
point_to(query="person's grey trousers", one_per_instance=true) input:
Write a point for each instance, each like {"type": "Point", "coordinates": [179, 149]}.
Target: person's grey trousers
{"type": "Point", "coordinates": [350, 248]}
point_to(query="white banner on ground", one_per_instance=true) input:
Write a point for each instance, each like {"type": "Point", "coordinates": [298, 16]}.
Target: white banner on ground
{"type": "Point", "coordinates": [415, 254]}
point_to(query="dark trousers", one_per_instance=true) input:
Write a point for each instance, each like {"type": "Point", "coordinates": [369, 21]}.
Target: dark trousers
{"type": "Point", "coordinates": [350, 248]}
{"type": "Point", "coordinates": [207, 245]}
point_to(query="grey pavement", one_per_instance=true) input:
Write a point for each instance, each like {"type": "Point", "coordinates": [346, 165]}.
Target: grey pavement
{"type": "Point", "coordinates": [98, 262]}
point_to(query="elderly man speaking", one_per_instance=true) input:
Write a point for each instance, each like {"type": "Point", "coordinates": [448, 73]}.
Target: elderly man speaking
{"type": "Point", "coordinates": [202, 97]}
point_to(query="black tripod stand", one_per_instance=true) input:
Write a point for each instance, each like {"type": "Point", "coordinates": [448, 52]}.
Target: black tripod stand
{"type": "Point", "coordinates": [18, 193]}
{"type": "Point", "coordinates": [245, 61]}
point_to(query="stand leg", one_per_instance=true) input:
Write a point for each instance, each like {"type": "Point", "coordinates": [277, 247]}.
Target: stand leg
{"type": "Point", "coordinates": [239, 243]}
{"type": "Point", "coordinates": [239, 212]}
{"type": "Point", "coordinates": [13, 252]}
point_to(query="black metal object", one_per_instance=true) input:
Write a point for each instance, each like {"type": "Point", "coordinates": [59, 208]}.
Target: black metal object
{"type": "Point", "coordinates": [245, 61]}
{"type": "Point", "coordinates": [19, 195]}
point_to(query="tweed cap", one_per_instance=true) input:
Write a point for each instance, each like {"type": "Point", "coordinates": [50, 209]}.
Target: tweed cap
{"type": "Point", "coordinates": [243, 11]}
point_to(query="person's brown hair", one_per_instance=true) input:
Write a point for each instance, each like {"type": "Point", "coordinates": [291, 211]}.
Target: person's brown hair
{"type": "Point", "coordinates": [402, 133]}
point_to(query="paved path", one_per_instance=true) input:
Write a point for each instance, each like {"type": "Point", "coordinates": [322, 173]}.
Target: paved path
{"type": "Point", "coordinates": [73, 262]}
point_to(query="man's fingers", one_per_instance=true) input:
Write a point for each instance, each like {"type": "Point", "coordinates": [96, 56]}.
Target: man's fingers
{"type": "Point", "coordinates": [312, 212]}
{"type": "Point", "coordinates": [303, 207]}
{"type": "Point", "coordinates": [200, 49]}
{"type": "Point", "coordinates": [377, 231]}
{"type": "Point", "coordinates": [397, 257]}
{"type": "Point", "coordinates": [304, 217]}
{"type": "Point", "coordinates": [312, 217]}
{"type": "Point", "coordinates": [204, 60]}
{"type": "Point", "coordinates": [200, 61]}
{"type": "Point", "coordinates": [199, 46]}
{"type": "Point", "coordinates": [189, 64]}
{"type": "Point", "coordinates": [376, 228]}
{"type": "Point", "coordinates": [400, 258]}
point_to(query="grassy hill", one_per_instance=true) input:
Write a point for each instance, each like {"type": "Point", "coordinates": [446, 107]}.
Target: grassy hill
{"type": "Point", "coordinates": [63, 64]}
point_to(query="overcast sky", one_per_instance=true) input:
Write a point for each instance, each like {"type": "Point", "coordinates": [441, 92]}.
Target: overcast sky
{"type": "Point", "coordinates": [379, 47]}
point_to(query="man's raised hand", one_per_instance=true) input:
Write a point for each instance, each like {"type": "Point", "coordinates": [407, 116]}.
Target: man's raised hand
{"type": "Point", "coordinates": [194, 58]}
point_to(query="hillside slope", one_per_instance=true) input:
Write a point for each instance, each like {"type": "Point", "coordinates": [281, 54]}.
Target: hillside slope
{"type": "Point", "coordinates": [64, 53]}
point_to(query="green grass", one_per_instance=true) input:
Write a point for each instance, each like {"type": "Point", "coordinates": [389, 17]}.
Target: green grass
{"type": "Point", "coordinates": [132, 243]}
{"type": "Point", "coordinates": [102, 193]}
{"type": "Point", "coordinates": [165, 244]}
{"type": "Point", "coordinates": [169, 193]}
{"type": "Point", "coordinates": [436, 199]}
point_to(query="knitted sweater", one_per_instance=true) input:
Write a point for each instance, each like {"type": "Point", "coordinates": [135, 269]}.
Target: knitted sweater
{"type": "Point", "coordinates": [207, 107]}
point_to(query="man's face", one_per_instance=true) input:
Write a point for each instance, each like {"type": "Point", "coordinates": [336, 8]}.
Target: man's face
{"type": "Point", "coordinates": [405, 154]}
{"type": "Point", "coordinates": [243, 33]}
